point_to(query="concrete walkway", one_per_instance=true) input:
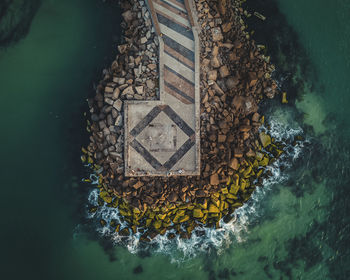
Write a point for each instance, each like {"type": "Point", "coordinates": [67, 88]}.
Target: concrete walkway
{"type": "Point", "coordinates": [162, 137]}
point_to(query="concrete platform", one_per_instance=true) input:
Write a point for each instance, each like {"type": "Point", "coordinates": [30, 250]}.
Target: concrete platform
{"type": "Point", "coordinates": [162, 137]}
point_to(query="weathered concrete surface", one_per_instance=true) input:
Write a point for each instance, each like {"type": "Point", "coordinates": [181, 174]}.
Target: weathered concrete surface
{"type": "Point", "coordinates": [162, 137]}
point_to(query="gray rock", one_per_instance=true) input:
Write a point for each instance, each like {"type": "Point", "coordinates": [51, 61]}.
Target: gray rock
{"type": "Point", "coordinates": [105, 152]}
{"type": "Point", "coordinates": [107, 109]}
{"type": "Point", "coordinates": [128, 90]}
{"type": "Point", "coordinates": [119, 81]}
{"type": "Point", "coordinates": [116, 94]}
{"type": "Point", "coordinates": [118, 105]}
{"type": "Point", "coordinates": [128, 16]}
{"type": "Point", "coordinates": [232, 82]}
{"type": "Point", "coordinates": [109, 120]}
{"type": "Point", "coordinates": [94, 118]}
{"type": "Point", "coordinates": [115, 113]}
{"type": "Point", "coordinates": [109, 101]}
{"type": "Point", "coordinates": [111, 139]}
{"type": "Point", "coordinates": [150, 84]}
{"type": "Point", "coordinates": [119, 121]}
{"type": "Point", "coordinates": [111, 148]}
{"type": "Point", "coordinates": [143, 40]}
{"type": "Point", "coordinates": [139, 90]}
{"type": "Point", "coordinates": [118, 148]}
{"type": "Point", "coordinates": [101, 124]}
{"type": "Point", "coordinates": [106, 131]}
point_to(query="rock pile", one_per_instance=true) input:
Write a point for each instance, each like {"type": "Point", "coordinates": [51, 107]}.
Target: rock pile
{"type": "Point", "coordinates": [133, 75]}
{"type": "Point", "coordinates": [235, 77]}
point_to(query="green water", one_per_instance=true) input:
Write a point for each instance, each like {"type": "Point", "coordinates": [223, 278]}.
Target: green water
{"type": "Point", "coordinates": [298, 230]}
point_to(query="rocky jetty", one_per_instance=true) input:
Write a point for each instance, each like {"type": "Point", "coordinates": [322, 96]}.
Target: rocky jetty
{"type": "Point", "coordinates": [235, 78]}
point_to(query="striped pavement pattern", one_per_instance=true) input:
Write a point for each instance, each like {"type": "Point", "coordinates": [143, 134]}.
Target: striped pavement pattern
{"type": "Point", "coordinates": [174, 25]}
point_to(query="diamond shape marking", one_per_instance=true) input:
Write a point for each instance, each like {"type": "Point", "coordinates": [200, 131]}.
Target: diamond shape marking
{"type": "Point", "coordinates": [178, 121]}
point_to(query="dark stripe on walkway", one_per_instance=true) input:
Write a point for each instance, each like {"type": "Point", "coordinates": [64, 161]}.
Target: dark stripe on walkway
{"type": "Point", "coordinates": [145, 121]}
{"type": "Point", "coordinates": [184, 95]}
{"type": "Point", "coordinates": [176, 27]}
{"type": "Point", "coordinates": [146, 155]}
{"type": "Point", "coordinates": [179, 154]}
{"type": "Point", "coordinates": [179, 57]}
{"type": "Point", "coordinates": [181, 2]}
{"type": "Point", "coordinates": [173, 6]}
{"type": "Point", "coordinates": [179, 75]}
{"type": "Point", "coordinates": [178, 120]}
{"type": "Point", "coordinates": [179, 48]}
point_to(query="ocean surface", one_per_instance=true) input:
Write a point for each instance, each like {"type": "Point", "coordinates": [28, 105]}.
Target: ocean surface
{"type": "Point", "coordinates": [296, 227]}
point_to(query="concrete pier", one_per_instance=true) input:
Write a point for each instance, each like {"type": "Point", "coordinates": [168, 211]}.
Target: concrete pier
{"type": "Point", "coordinates": [162, 138]}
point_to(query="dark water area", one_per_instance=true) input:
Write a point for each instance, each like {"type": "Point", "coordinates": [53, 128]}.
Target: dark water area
{"type": "Point", "coordinates": [53, 52]}
{"type": "Point", "coordinates": [15, 19]}
{"type": "Point", "coordinates": [46, 77]}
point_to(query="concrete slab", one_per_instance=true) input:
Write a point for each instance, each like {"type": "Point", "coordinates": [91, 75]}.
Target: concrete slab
{"type": "Point", "coordinates": [162, 137]}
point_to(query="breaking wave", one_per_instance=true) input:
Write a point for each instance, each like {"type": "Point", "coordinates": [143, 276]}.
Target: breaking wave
{"type": "Point", "coordinates": [282, 127]}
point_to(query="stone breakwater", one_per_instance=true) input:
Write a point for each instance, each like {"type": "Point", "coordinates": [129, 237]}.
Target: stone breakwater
{"type": "Point", "coordinates": [235, 78]}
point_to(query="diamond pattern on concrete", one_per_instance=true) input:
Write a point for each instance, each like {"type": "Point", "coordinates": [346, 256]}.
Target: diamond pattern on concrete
{"type": "Point", "coordinates": [162, 139]}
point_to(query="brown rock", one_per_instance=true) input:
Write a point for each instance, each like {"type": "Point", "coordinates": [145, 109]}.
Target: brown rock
{"type": "Point", "coordinates": [245, 128]}
{"type": "Point", "coordinates": [215, 51]}
{"type": "Point", "coordinates": [215, 62]}
{"type": "Point", "coordinates": [137, 60]}
{"type": "Point", "coordinates": [227, 27]}
{"type": "Point", "coordinates": [237, 102]}
{"type": "Point", "coordinates": [230, 138]}
{"type": "Point", "coordinates": [214, 179]}
{"type": "Point", "coordinates": [224, 72]}
{"type": "Point", "coordinates": [218, 89]}
{"type": "Point", "coordinates": [152, 66]}
{"type": "Point", "coordinates": [252, 79]}
{"type": "Point", "coordinates": [205, 62]}
{"type": "Point", "coordinates": [212, 137]}
{"type": "Point", "coordinates": [232, 82]}
{"type": "Point", "coordinates": [201, 193]}
{"type": "Point", "coordinates": [250, 153]}
{"type": "Point", "coordinates": [222, 7]}
{"type": "Point", "coordinates": [212, 75]}
{"type": "Point", "coordinates": [138, 185]}
{"type": "Point", "coordinates": [232, 56]}
{"type": "Point", "coordinates": [234, 163]}
{"type": "Point", "coordinates": [173, 197]}
{"type": "Point", "coordinates": [238, 153]}
{"type": "Point", "coordinates": [250, 105]}
{"type": "Point", "coordinates": [255, 117]}
{"type": "Point", "coordinates": [221, 138]}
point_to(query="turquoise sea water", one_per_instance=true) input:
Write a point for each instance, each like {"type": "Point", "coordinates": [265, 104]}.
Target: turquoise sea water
{"type": "Point", "coordinates": [297, 228]}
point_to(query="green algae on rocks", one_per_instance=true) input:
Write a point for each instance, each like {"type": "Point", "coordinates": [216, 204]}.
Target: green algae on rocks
{"type": "Point", "coordinates": [205, 211]}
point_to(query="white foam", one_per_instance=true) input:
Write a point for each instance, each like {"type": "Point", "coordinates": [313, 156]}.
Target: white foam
{"type": "Point", "coordinates": [281, 126]}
